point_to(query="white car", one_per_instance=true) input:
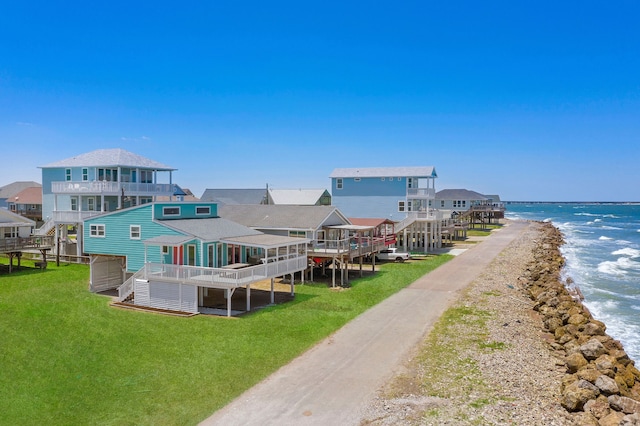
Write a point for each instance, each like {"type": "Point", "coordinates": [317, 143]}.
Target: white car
{"type": "Point", "coordinates": [392, 253]}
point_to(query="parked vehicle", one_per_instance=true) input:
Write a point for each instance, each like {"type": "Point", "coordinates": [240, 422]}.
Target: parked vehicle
{"type": "Point", "coordinates": [393, 254]}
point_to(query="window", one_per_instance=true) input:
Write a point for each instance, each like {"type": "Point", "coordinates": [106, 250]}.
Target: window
{"type": "Point", "coordinates": [298, 234]}
{"type": "Point", "coordinates": [409, 182]}
{"type": "Point", "coordinates": [97, 231]}
{"type": "Point", "coordinates": [74, 204]}
{"type": "Point", "coordinates": [67, 175]}
{"type": "Point", "coordinates": [91, 204]}
{"type": "Point", "coordinates": [409, 206]}
{"type": "Point", "coordinates": [146, 176]}
{"type": "Point", "coordinates": [165, 249]}
{"type": "Point", "coordinates": [400, 206]}
{"type": "Point", "coordinates": [442, 203]}
{"type": "Point", "coordinates": [339, 183]}
{"type": "Point", "coordinates": [85, 174]}
{"type": "Point", "coordinates": [171, 211]}
{"type": "Point", "coordinates": [204, 210]}
{"type": "Point", "coordinates": [134, 232]}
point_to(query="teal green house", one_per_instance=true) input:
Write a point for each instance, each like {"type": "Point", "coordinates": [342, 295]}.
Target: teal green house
{"type": "Point", "coordinates": [172, 255]}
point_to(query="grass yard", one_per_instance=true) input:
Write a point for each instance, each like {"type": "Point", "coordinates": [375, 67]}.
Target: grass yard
{"type": "Point", "coordinates": [68, 358]}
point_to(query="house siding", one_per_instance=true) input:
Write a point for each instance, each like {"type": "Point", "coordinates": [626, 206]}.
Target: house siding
{"type": "Point", "coordinates": [370, 206]}
{"type": "Point", "coordinates": [117, 239]}
{"type": "Point", "coordinates": [375, 187]}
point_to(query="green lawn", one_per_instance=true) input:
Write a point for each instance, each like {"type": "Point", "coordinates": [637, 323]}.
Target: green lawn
{"type": "Point", "coordinates": [66, 357]}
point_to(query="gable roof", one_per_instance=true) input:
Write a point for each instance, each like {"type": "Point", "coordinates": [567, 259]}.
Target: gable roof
{"type": "Point", "coordinates": [281, 217]}
{"type": "Point", "coordinates": [459, 194]}
{"type": "Point", "coordinates": [300, 197]}
{"type": "Point", "coordinates": [31, 195]}
{"type": "Point", "coordinates": [424, 172]}
{"type": "Point", "coordinates": [109, 157]}
{"type": "Point", "coordinates": [12, 189]}
{"type": "Point", "coordinates": [234, 196]}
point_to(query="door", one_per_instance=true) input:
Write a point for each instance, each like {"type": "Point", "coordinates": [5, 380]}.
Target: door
{"type": "Point", "coordinates": [191, 255]}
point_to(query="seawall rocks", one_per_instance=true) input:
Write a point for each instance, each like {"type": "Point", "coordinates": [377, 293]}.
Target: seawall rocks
{"type": "Point", "coordinates": [602, 385]}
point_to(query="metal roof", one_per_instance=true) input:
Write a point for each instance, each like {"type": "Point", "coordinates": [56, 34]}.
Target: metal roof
{"type": "Point", "coordinates": [300, 197]}
{"type": "Point", "coordinates": [416, 172]}
{"type": "Point", "coordinates": [235, 196]}
{"type": "Point", "coordinates": [266, 240]}
{"type": "Point", "coordinates": [459, 194]}
{"type": "Point", "coordinates": [8, 218]}
{"type": "Point", "coordinates": [209, 229]}
{"type": "Point", "coordinates": [109, 158]}
{"type": "Point", "coordinates": [168, 240]}
{"type": "Point", "coordinates": [281, 217]}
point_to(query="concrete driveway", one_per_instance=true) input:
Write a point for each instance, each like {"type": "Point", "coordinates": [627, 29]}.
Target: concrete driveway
{"type": "Point", "coordinates": [331, 383]}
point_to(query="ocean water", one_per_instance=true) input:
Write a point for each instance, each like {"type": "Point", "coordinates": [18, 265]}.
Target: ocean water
{"type": "Point", "coordinates": [602, 252]}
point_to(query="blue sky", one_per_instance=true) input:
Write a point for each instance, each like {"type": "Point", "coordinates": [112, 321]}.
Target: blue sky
{"type": "Point", "coordinates": [529, 100]}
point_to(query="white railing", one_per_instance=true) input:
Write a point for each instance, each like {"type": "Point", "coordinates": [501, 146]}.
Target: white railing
{"type": "Point", "coordinates": [112, 188]}
{"type": "Point", "coordinates": [417, 216]}
{"type": "Point", "coordinates": [45, 228]}
{"type": "Point", "coordinates": [353, 246]}
{"type": "Point", "coordinates": [421, 193]}
{"type": "Point", "coordinates": [73, 216]}
{"type": "Point", "coordinates": [213, 277]}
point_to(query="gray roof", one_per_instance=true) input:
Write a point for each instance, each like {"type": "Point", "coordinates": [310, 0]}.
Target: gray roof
{"type": "Point", "coordinates": [8, 218]}
{"type": "Point", "coordinates": [459, 194]}
{"type": "Point", "coordinates": [265, 240]}
{"type": "Point", "coordinates": [300, 197]}
{"type": "Point", "coordinates": [210, 229]}
{"type": "Point", "coordinates": [13, 188]}
{"type": "Point", "coordinates": [109, 158]}
{"type": "Point", "coordinates": [419, 172]}
{"type": "Point", "coordinates": [234, 196]}
{"type": "Point", "coordinates": [281, 217]}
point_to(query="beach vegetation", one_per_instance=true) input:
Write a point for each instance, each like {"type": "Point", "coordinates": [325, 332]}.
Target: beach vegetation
{"type": "Point", "coordinates": [68, 357]}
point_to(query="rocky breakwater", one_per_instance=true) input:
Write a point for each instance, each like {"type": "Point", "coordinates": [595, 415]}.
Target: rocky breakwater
{"type": "Point", "coordinates": [602, 385]}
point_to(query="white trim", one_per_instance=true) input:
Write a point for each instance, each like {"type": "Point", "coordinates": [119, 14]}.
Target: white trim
{"type": "Point", "coordinates": [131, 232]}
{"type": "Point", "coordinates": [97, 230]}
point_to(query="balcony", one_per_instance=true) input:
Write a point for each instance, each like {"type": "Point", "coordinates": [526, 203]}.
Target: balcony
{"type": "Point", "coordinates": [113, 188]}
{"type": "Point", "coordinates": [18, 244]}
{"type": "Point", "coordinates": [73, 216]}
{"type": "Point", "coordinates": [417, 193]}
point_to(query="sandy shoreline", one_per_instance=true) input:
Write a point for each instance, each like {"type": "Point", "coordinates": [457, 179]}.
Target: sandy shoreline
{"type": "Point", "coordinates": [515, 378]}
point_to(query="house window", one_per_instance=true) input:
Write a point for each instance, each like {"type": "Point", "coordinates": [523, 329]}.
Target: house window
{"type": "Point", "coordinates": [203, 210]}
{"type": "Point", "coordinates": [409, 182]}
{"type": "Point", "coordinates": [442, 203]}
{"type": "Point", "coordinates": [171, 211]}
{"type": "Point", "coordinates": [339, 183]}
{"type": "Point", "coordinates": [74, 204]}
{"type": "Point", "coordinates": [298, 234]}
{"type": "Point", "coordinates": [146, 176]}
{"type": "Point", "coordinates": [67, 174]}
{"type": "Point", "coordinates": [91, 204]}
{"type": "Point", "coordinates": [134, 232]}
{"type": "Point", "coordinates": [400, 206]}
{"type": "Point", "coordinates": [409, 206]}
{"type": "Point", "coordinates": [165, 249]}
{"type": "Point", "coordinates": [97, 231]}
{"type": "Point", "coordinates": [85, 174]}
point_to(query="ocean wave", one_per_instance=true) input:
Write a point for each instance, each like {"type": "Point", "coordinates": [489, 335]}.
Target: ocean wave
{"type": "Point", "coordinates": [603, 238]}
{"type": "Point", "coordinates": [627, 251]}
{"type": "Point", "coordinates": [612, 228]}
{"type": "Point", "coordinates": [620, 267]}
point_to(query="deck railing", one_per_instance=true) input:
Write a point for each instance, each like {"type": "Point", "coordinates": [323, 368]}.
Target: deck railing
{"type": "Point", "coordinates": [353, 246]}
{"type": "Point", "coordinates": [112, 188]}
{"type": "Point", "coordinates": [212, 277]}
{"type": "Point", "coordinates": [421, 193]}
{"type": "Point", "coordinates": [17, 244]}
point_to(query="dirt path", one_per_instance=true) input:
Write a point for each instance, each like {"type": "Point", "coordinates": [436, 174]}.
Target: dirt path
{"type": "Point", "coordinates": [332, 382]}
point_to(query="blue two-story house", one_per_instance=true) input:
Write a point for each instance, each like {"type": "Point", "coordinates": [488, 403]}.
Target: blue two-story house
{"type": "Point", "coordinates": [404, 195]}
{"type": "Point", "coordinates": [171, 255]}
{"type": "Point", "coordinates": [96, 182]}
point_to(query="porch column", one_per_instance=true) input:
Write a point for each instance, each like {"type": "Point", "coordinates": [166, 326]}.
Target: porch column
{"type": "Point", "coordinates": [248, 297]}
{"type": "Point", "coordinates": [292, 285]}
{"type": "Point", "coordinates": [273, 301]}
